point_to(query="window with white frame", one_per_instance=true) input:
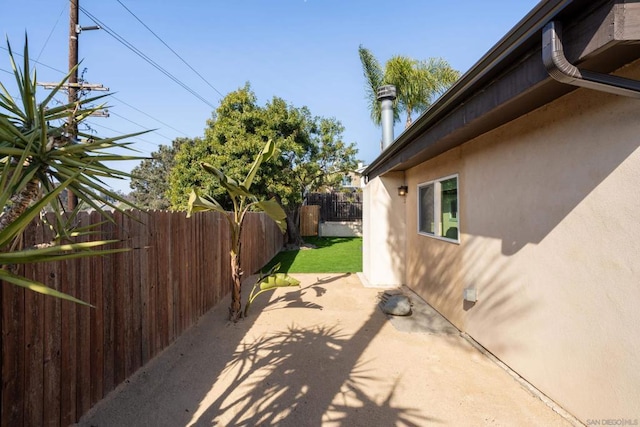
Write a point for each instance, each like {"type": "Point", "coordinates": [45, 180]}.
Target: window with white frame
{"type": "Point", "coordinates": [438, 208]}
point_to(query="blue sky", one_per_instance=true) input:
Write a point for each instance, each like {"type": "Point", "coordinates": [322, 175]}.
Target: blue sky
{"type": "Point", "coordinates": [304, 51]}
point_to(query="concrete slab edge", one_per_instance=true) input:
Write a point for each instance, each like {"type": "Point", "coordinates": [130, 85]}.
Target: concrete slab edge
{"type": "Point", "coordinates": [365, 282]}
{"type": "Point", "coordinates": [523, 382]}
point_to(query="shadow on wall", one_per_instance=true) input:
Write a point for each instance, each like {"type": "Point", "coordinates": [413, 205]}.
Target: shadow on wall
{"type": "Point", "coordinates": [439, 273]}
{"type": "Point", "coordinates": [525, 178]}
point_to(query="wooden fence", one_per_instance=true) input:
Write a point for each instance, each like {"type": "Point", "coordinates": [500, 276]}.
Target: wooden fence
{"type": "Point", "coordinates": [60, 358]}
{"type": "Point", "coordinates": [309, 220]}
{"type": "Point", "coordinates": [337, 206]}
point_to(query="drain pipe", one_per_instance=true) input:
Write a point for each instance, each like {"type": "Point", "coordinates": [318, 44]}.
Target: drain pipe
{"type": "Point", "coordinates": [386, 95]}
{"type": "Point", "coordinates": [560, 69]}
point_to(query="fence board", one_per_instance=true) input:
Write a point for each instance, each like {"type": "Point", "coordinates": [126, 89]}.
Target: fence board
{"type": "Point", "coordinates": [145, 283]}
{"type": "Point", "coordinates": [149, 321]}
{"type": "Point", "coordinates": [13, 357]}
{"type": "Point", "coordinates": [34, 343]}
{"type": "Point", "coordinates": [173, 303]}
{"type": "Point", "coordinates": [96, 327]}
{"type": "Point", "coordinates": [163, 245]}
{"type": "Point", "coordinates": [136, 290]}
{"type": "Point", "coordinates": [108, 311]}
{"type": "Point", "coordinates": [119, 307]}
{"type": "Point", "coordinates": [52, 362]}
{"type": "Point", "coordinates": [128, 285]}
{"type": "Point", "coordinates": [68, 346]}
{"type": "Point", "coordinates": [337, 206]}
{"type": "Point", "coordinates": [83, 328]}
{"type": "Point", "coordinates": [217, 246]}
{"type": "Point", "coordinates": [309, 220]}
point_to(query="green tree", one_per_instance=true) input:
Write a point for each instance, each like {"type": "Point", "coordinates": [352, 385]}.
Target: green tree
{"type": "Point", "coordinates": [39, 159]}
{"type": "Point", "coordinates": [310, 155]}
{"type": "Point", "coordinates": [150, 181]}
{"type": "Point", "coordinates": [418, 83]}
{"type": "Point", "coordinates": [243, 201]}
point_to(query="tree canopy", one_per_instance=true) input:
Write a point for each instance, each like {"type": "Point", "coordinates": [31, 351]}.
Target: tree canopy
{"type": "Point", "coordinates": [150, 179]}
{"type": "Point", "coordinates": [310, 153]}
{"type": "Point", "coordinates": [418, 82]}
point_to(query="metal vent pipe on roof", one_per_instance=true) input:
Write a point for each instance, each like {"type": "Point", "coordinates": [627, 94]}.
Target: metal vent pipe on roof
{"type": "Point", "coordinates": [386, 95]}
{"type": "Point", "coordinates": [560, 69]}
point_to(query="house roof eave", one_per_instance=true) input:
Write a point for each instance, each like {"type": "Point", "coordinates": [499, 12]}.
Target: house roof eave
{"type": "Point", "coordinates": [509, 81]}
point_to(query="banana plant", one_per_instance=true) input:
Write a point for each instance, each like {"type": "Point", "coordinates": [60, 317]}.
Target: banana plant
{"type": "Point", "coordinates": [243, 201]}
{"type": "Point", "coordinates": [41, 156]}
{"type": "Point", "coordinates": [268, 282]}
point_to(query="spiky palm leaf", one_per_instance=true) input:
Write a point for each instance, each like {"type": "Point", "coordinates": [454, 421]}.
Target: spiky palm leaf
{"type": "Point", "coordinates": [374, 78]}
{"type": "Point", "coordinates": [39, 158]}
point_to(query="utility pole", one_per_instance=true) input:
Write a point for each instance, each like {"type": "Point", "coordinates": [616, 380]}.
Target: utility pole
{"type": "Point", "coordinates": [72, 84]}
{"type": "Point", "coordinates": [74, 7]}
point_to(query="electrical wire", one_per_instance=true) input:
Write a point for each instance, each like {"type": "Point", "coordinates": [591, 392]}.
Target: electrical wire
{"type": "Point", "coordinates": [138, 52]}
{"type": "Point", "coordinates": [139, 125]}
{"type": "Point", "coordinates": [113, 97]}
{"type": "Point", "coordinates": [151, 117]}
{"type": "Point", "coordinates": [169, 47]}
{"type": "Point", "coordinates": [36, 62]}
{"type": "Point", "coordinates": [120, 133]}
{"type": "Point", "coordinates": [49, 36]}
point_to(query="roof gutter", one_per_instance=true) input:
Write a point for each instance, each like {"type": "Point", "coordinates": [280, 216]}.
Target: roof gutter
{"type": "Point", "coordinates": [523, 31]}
{"type": "Point", "coordinates": [560, 69]}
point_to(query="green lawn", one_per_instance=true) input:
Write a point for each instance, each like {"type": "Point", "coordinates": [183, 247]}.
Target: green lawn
{"type": "Point", "coordinates": [332, 255]}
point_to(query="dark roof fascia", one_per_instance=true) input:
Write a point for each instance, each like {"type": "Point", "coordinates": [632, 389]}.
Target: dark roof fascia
{"type": "Point", "coordinates": [518, 48]}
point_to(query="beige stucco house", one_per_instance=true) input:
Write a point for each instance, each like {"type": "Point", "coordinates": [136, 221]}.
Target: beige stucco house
{"type": "Point", "coordinates": [524, 189]}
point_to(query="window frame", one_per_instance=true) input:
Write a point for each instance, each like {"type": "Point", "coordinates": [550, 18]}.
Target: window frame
{"type": "Point", "coordinates": [437, 207]}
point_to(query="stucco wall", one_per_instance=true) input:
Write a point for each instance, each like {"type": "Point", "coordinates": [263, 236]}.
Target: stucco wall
{"type": "Point", "coordinates": [340, 229]}
{"type": "Point", "coordinates": [550, 238]}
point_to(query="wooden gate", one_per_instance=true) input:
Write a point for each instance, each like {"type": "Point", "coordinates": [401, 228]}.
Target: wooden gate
{"type": "Point", "coordinates": [309, 220]}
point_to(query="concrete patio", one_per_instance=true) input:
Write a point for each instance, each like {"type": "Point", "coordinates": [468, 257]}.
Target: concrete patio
{"type": "Point", "coordinates": [322, 355]}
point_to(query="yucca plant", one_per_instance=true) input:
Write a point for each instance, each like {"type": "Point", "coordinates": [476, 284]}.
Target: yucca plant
{"type": "Point", "coordinates": [40, 157]}
{"type": "Point", "coordinates": [243, 202]}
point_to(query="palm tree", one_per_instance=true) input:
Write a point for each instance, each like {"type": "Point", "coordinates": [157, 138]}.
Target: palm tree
{"type": "Point", "coordinates": [40, 158]}
{"type": "Point", "coordinates": [418, 83]}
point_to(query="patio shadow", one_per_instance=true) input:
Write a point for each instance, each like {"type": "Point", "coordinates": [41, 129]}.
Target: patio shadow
{"type": "Point", "coordinates": [305, 376]}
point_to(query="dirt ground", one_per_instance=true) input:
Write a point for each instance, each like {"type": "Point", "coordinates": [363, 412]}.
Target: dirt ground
{"type": "Point", "coordinates": [322, 355]}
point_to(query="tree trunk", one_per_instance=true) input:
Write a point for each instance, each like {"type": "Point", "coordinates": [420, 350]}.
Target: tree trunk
{"type": "Point", "coordinates": [20, 203]}
{"type": "Point", "coordinates": [235, 310]}
{"type": "Point", "coordinates": [408, 122]}
{"type": "Point", "coordinates": [293, 231]}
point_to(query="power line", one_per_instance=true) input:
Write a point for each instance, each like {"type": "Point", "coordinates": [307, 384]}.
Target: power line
{"type": "Point", "coordinates": [36, 62]}
{"type": "Point", "coordinates": [138, 52]}
{"type": "Point", "coordinates": [111, 96]}
{"type": "Point", "coordinates": [52, 30]}
{"type": "Point", "coordinates": [120, 133]}
{"type": "Point", "coordinates": [169, 47]}
{"type": "Point", "coordinates": [151, 117]}
{"type": "Point", "coordinates": [139, 125]}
